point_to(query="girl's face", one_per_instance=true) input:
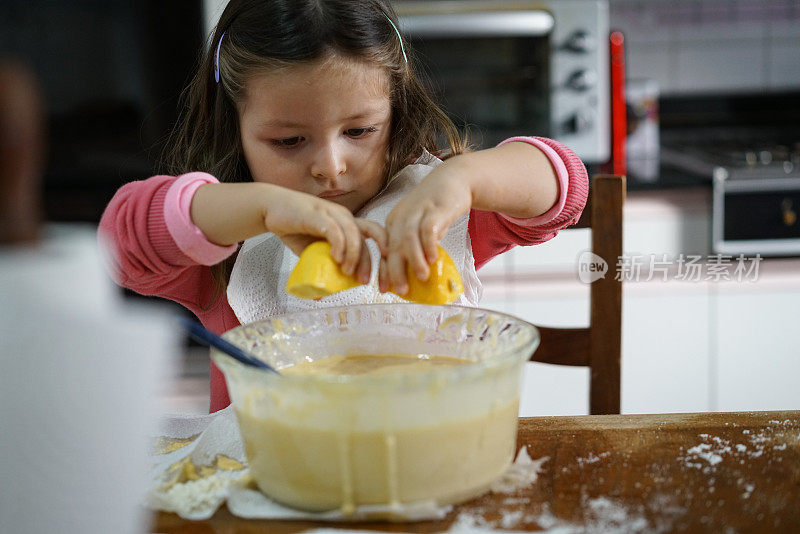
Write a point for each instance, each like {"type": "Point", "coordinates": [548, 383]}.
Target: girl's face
{"type": "Point", "coordinates": [320, 128]}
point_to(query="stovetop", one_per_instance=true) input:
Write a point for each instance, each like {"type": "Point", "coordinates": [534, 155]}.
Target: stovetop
{"type": "Point", "coordinates": [732, 137]}
{"type": "Point", "coordinates": [736, 159]}
{"type": "Point", "coordinates": [755, 155]}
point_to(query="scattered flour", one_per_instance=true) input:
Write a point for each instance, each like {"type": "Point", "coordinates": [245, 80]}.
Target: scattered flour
{"type": "Point", "coordinates": [510, 519]}
{"type": "Point", "coordinates": [520, 500]}
{"type": "Point", "coordinates": [706, 456]}
{"type": "Point", "coordinates": [522, 473]}
{"type": "Point", "coordinates": [715, 449]}
{"type": "Point", "coordinates": [602, 514]}
{"type": "Point", "coordinates": [785, 422]}
{"type": "Point", "coordinates": [704, 452]}
{"type": "Point", "coordinates": [592, 458]}
{"type": "Point", "coordinates": [609, 516]}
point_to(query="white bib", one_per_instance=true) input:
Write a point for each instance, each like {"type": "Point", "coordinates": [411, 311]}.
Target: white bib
{"type": "Point", "coordinates": [257, 287]}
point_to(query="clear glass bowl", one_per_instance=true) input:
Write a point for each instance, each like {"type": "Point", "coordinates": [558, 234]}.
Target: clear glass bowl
{"type": "Point", "coordinates": [321, 442]}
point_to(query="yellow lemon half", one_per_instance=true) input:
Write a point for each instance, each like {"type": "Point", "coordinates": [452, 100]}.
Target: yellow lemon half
{"type": "Point", "coordinates": [317, 275]}
{"type": "Point", "coordinates": [443, 286]}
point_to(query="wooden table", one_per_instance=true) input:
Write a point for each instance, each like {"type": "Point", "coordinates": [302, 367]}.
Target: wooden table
{"type": "Point", "coordinates": [705, 472]}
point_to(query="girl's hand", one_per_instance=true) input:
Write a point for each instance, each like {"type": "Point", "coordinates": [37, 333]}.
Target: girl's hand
{"type": "Point", "coordinates": [300, 219]}
{"type": "Point", "coordinates": [417, 224]}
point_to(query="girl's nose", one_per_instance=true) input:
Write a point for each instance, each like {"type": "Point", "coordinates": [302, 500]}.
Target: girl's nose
{"type": "Point", "coordinates": [328, 163]}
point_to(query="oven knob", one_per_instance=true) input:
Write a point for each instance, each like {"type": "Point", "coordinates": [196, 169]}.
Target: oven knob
{"type": "Point", "coordinates": [789, 215]}
{"type": "Point", "coordinates": [580, 41]}
{"type": "Point", "coordinates": [581, 80]}
{"type": "Point", "coordinates": [580, 121]}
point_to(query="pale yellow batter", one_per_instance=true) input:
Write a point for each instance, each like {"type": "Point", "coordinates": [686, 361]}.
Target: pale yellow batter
{"type": "Point", "coordinates": [343, 465]}
{"type": "Point", "coordinates": [361, 365]}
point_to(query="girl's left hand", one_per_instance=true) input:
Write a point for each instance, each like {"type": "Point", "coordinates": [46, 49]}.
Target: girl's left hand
{"type": "Point", "coordinates": [417, 224]}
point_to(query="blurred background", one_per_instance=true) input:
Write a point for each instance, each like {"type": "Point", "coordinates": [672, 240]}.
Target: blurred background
{"type": "Point", "coordinates": [111, 72]}
{"type": "Point", "coordinates": [707, 85]}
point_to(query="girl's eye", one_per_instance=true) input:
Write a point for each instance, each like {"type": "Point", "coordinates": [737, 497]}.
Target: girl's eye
{"type": "Point", "coordinates": [360, 132]}
{"type": "Point", "coordinates": [288, 142]}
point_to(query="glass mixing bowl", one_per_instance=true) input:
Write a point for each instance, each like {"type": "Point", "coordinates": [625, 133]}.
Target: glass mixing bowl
{"type": "Point", "coordinates": [321, 442]}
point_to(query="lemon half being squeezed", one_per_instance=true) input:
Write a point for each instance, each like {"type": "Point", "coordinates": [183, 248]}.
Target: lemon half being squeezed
{"type": "Point", "coordinates": [443, 286]}
{"type": "Point", "coordinates": [317, 275]}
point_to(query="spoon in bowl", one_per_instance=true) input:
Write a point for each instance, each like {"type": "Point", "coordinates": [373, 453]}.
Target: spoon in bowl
{"type": "Point", "coordinates": [208, 338]}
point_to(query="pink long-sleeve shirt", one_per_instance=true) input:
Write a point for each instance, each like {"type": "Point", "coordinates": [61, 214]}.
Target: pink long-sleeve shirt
{"type": "Point", "coordinates": [157, 250]}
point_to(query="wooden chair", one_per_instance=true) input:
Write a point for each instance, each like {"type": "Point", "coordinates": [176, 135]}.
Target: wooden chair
{"type": "Point", "coordinates": [598, 346]}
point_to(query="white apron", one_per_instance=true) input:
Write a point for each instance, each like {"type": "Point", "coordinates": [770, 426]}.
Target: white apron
{"type": "Point", "coordinates": [257, 287]}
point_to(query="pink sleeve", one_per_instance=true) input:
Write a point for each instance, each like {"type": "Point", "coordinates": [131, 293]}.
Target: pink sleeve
{"type": "Point", "coordinates": [493, 233]}
{"type": "Point", "coordinates": [143, 253]}
{"type": "Point", "coordinates": [177, 216]}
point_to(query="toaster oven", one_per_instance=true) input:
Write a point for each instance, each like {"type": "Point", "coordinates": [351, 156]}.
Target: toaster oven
{"type": "Point", "coordinates": [503, 68]}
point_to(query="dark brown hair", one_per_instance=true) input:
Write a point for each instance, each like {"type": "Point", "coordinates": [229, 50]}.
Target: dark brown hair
{"type": "Point", "coordinates": [263, 35]}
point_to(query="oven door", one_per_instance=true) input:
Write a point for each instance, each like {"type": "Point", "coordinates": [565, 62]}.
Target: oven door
{"type": "Point", "coordinates": [490, 71]}
{"type": "Point", "coordinates": [756, 216]}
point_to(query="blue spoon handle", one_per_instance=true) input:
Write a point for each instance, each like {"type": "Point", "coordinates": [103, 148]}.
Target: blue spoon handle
{"type": "Point", "coordinates": [210, 339]}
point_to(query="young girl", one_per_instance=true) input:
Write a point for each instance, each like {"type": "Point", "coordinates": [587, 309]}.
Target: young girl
{"type": "Point", "coordinates": [304, 122]}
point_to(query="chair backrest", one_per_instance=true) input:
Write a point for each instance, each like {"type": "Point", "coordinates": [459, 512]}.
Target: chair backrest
{"type": "Point", "coordinates": [599, 346]}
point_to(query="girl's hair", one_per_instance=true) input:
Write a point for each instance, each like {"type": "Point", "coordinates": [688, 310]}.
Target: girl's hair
{"type": "Point", "coordinates": [259, 36]}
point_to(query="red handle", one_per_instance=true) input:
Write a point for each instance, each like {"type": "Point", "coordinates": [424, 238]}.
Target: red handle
{"type": "Point", "coordinates": [619, 119]}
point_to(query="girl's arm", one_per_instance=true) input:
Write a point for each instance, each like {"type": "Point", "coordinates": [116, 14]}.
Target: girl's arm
{"type": "Point", "coordinates": [515, 179]}
{"type": "Point", "coordinates": [155, 248]}
{"type": "Point", "coordinates": [492, 233]}
{"type": "Point", "coordinates": [152, 246]}
{"type": "Point", "coordinates": [230, 213]}
{"type": "Point", "coordinates": [522, 181]}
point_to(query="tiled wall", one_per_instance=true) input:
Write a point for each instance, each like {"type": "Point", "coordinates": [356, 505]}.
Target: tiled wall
{"type": "Point", "coordinates": [702, 46]}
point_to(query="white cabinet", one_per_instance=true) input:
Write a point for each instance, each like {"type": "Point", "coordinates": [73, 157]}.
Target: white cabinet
{"type": "Point", "coordinates": [665, 347]}
{"type": "Point", "coordinates": [713, 346]}
{"type": "Point", "coordinates": [563, 301]}
{"type": "Point", "coordinates": [757, 349]}
{"type": "Point", "coordinates": [553, 389]}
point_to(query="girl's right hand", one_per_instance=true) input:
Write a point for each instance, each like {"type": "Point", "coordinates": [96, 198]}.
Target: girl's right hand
{"type": "Point", "coordinates": [299, 219]}
{"type": "Point", "coordinates": [231, 213]}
